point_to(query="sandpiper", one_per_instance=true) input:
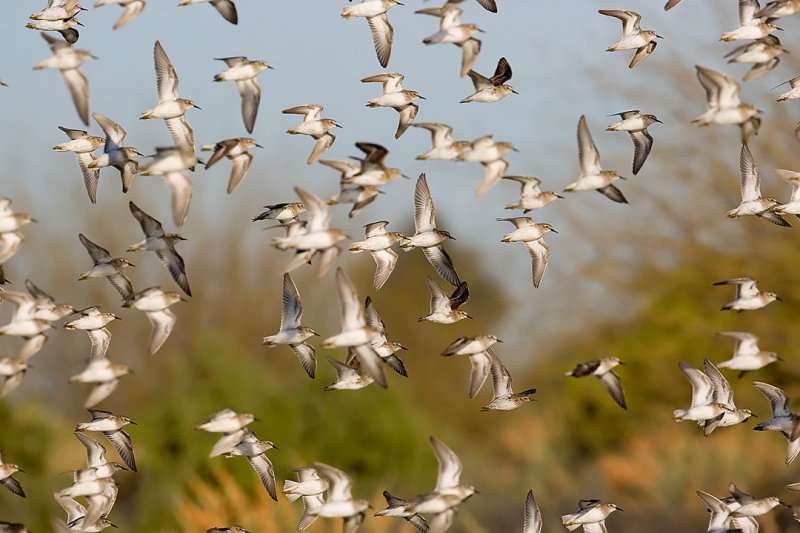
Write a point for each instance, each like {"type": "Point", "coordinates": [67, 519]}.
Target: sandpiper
{"type": "Point", "coordinates": [314, 125]}
{"type": "Point", "coordinates": [69, 60]}
{"type": "Point", "coordinates": [636, 124]}
{"type": "Point", "coordinates": [602, 369]}
{"type": "Point", "coordinates": [442, 144]}
{"type": "Point", "coordinates": [491, 89]}
{"type": "Point", "coordinates": [291, 332]}
{"type": "Point", "coordinates": [449, 492]}
{"type": "Point", "coordinates": [379, 343]}
{"type": "Point", "coordinates": [749, 505]}
{"type": "Point", "coordinates": [427, 236]}
{"type": "Point", "coordinates": [308, 486]}
{"type": "Point", "coordinates": [777, 9]}
{"type": "Point", "coordinates": [372, 171]}
{"type": "Point", "coordinates": [480, 360]}
{"type": "Point", "coordinates": [6, 479]}
{"type": "Point", "coordinates": [171, 107]}
{"type": "Point", "coordinates": [340, 502]}
{"type": "Point", "coordinates": [750, 25]}
{"type": "Point", "coordinates": [633, 37]}
{"type": "Point", "coordinates": [793, 205]}
{"type": "Point", "coordinates": [752, 202]}
{"type": "Point", "coordinates": [488, 153]}
{"type": "Point", "coordinates": [503, 396]}
{"type": "Point", "coordinates": [163, 244]}
{"type": "Point", "coordinates": [378, 242]}
{"type": "Point", "coordinates": [451, 30]}
{"type": "Point", "coordinates": [592, 175]}
{"type": "Point", "coordinates": [443, 308]}
{"type": "Point", "coordinates": [236, 150]}
{"type": "Point", "coordinates": [748, 297]}
{"type": "Point", "coordinates": [589, 512]}
{"type": "Point", "coordinates": [226, 8]}
{"type": "Point", "coordinates": [253, 449]}
{"type": "Point", "coordinates": [107, 267]}
{"type": "Point", "coordinates": [130, 10]}
{"type": "Point", "coordinates": [349, 376]}
{"type": "Point", "coordinates": [532, 235]}
{"type": "Point", "coordinates": [244, 71]}
{"type": "Point", "coordinates": [724, 105]}
{"type": "Point", "coordinates": [394, 96]}
{"type": "Point", "coordinates": [382, 32]}
{"type": "Point", "coordinates": [531, 196]}
{"type": "Point", "coordinates": [783, 420]}
{"type": "Point", "coordinates": [114, 154]}
{"type": "Point", "coordinates": [83, 145]}
{"type": "Point", "coordinates": [722, 394]}
{"type": "Point", "coordinates": [154, 303]}
{"type": "Point", "coordinates": [94, 322]}
{"type": "Point", "coordinates": [763, 53]}
{"type": "Point", "coordinates": [173, 164]}
{"type": "Point", "coordinates": [110, 425]}
{"type": "Point", "coordinates": [58, 10]}
{"type": "Point", "coordinates": [704, 405]}
{"type": "Point", "coordinates": [746, 354]}
{"type": "Point", "coordinates": [399, 507]}
{"type": "Point", "coordinates": [794, 92]}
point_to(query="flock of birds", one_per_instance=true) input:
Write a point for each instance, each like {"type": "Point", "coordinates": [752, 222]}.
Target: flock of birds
{"type": "Point", "coordinates": [309, 237]}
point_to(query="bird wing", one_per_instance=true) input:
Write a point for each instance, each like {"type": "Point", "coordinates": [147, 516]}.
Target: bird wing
{"type": "Point", "coordinates": [162, 324]}
{"type": "Point", "coordinates": [588, 155]}
{"type": "Point", "coordinates": [382, 36]}
{"type": "Point", "coordinates": [250, 92]}
{"type": "Point", "coordinates": [166, 78]}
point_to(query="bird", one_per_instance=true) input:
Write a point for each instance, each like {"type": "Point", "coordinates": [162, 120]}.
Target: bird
{"type": "Point", "coordinates": [114, 154]}
{"type": "Point", "coordinates": [491, 89]}
{"type": "Point", "coordinates": [783, 420]}
{"type": "Point", "coordinates": [532, 235]}
{"type": "Point", "coordinates": [69, 60]}
{"type": "Point", "coordinates": [253, 449]}
{"type": "Point", "coordinates": [309, 486]}
{"type": "Point", "coordinates": [131, 9]}
{"type": "Point", "coordinates": [746, 354]}
{"type": "Point", "coordinates": [747, 505]}
{"type": "Point", "coordinates": [12, 370]}
{"type": "Point", "coordinates": [480, 360]}
{"type": "Point", "coordinates": [763, 53]}
{"type": "Point", "coordinates": [442, 144]}
{"type": "Point", "coordinates": [705, 405]}
{"type": "Point", "coordinates": [349, 376]}
{"type": "Point", "coordinates": [45, 306]}
{"type": "Point", "coordinates": [427, 236]}
{"type": "Point", "coordinates": [531, 196]}
{"type": "Point", "coordinates": [503, 396]}
{"type": "Point", "coordinates": [291, 332]}
{"type": "Point", "coordinates": [592, 175]}
{"type": "Point", "coordinates": [83, 145]}
{"type": "Point", "coordinates": [488, 153]}
{"type": "Point", "coordinates": [633, 37]}
{"type": "Point", "coordinates": [793, 92]}
{"type": "Point", "coordinates": [170, 106]}
{"type": "Point", "coordinates": [451, 30]}
{"type": "Point", "coordinates": [722, 394]}
{"type": "Point", "coordinates": [58, 10]}
{"type": "Point", "coordinates": [284, 212]}
{"type": "Point", "coordinates": [315, 126]}
{"type": "Point", "coordinates": [110, 425]}
{"type": "Point", "coordinates": [236, 150]}
{"type": "Point", "coordinates": [105, 374]}
{"type": "Point", "coordinates": [173, 163]}
{"type": "Point", "coordinates": [226, 8]}
{"type": "Point", "coordinates": [778, 8]}
{"type": "Point", "coordinates": [750, 24]}
{"type": "Point", "coordinates": [163, 244]}
{"type": "Point", "coordinates": [355, 331]}
{"type": "Point", "coordinates": [378, 242]}
{"type": "Point", "coordinates": [107, 267]}
{"type": "Point", "coordinates": [154, 303]}
{"type": "Point", "coordinates": [382, 32]}
{"type": "Point", "coordinates": [443, 308]}
{"type": "Point", "coordinates": [636, 125]}
{"type": "Point", "coordinates": [244, 71]}
{"type": "Point", "coordinates": [231, 424]}
{"type": "Point", "coordinates": [384, 348]}
{"type": "Point", "coordinates": [589, 512]}
{"type": "Point", "coordinates": [340, 502]}
{"type": "Point", "coordinates": [602, 369]}
{"type": "Point", "coordinates": [724, 105]}
{"type": "Point", "coordinates": [753, 203]}
{"type": "Point", "coordinates": [394, 96]}
{"type": "Point", "coordinates": [398, 507]}
{"type": "Point", "coordinates": [748, 297]}
{"type": "Point", "coordinates": [6, 472]}
{"type": "Point", "coordinates": [372, 170]}
{"type": "Point", "coordinates": [793, 205]}
{"type": "Point", "coordinates": [94, 322]}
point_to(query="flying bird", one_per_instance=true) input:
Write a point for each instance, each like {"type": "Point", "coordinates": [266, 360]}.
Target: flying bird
{"type": "Point", "coordinates": [244, 72]}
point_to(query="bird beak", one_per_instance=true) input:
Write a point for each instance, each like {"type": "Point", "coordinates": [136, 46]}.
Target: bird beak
{"type": "Point", "coordinates": [513, 91]}
{"type": "Point", "coordinates": [259, 146]}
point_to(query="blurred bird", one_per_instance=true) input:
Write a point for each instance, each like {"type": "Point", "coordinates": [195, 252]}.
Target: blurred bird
{"type": "Point", "coordinates": [69, 60]}
{"type": "Point", "coordinates": [442, 144]}
{"type": "Point", "coordinates": [746, 354]}
{"type": "Point", "coordinates": [750, 24]}
{"type": "Point", "coordinates": [12, 370]}
{"type": "Point", "coordinates": [226, 8]}
{"type": "Point", "coordinates": [783, 420]}
{"type": "Point", "coordinates": [244, 71]}
{"type": "Point", "coordinates": [748, 297]}
{"type": "Point", "coordinates": [793, 205]}
{"type": "Point", "coordinates": [236, 150]}
{"type": "Point", "coordinates": [131, 10]}
{"type": "Point", "coordinates": [724, 105]}
{"type": "Point", "coordinates": [6, 479]}
{"type": "Point", "coordinates": [451, 30]}
{"type": "Point", "coordinates": [480, 360]}
{"type": "Point", "coordinates": [531, 196]}
{"type": "Point", "coordinates": [173, 163]}
{"type": "Point", "coordinates": [372, 170]}
{"type": "Point", "coordinates": [154, 303]}
{"type": "Point", "coordinates": [763, 53]}
{"type": "Point", "coordinates": [602, 369]}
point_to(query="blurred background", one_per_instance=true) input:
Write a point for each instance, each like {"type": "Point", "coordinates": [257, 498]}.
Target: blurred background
{"type": "Point", "coordinates": [633, 281]}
